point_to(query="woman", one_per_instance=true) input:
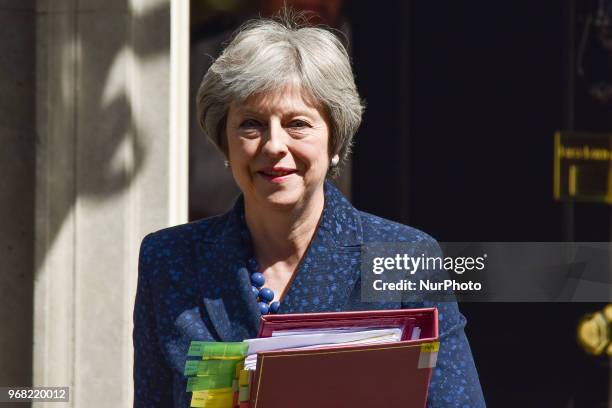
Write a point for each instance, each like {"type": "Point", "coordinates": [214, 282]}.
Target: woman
{"type": "Point", "coordinates": [282, 106]}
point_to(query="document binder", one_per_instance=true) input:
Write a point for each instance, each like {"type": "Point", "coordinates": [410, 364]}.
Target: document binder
{"type": "Point", "coordinates": [344, 359]}
{"type": "Point", "coordinates": [381, 375]}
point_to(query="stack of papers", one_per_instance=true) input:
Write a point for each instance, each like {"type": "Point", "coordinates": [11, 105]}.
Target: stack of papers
{"type": "Point", "coordinates": [316, 339]}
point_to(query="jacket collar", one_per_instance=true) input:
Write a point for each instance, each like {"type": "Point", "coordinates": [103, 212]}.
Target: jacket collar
{"type": "Point", "coordinates": [323, 281]}
{"type": "Point", "coordinates": [340, 221]}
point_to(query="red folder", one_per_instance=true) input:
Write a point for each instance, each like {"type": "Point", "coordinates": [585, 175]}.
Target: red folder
{"type": "Point", "coordinates": [382, 375]}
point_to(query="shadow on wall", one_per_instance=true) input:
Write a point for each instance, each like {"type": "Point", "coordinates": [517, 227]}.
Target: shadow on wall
{"type": "Point", "coordinates": [17, 141]}
{"type": "Point", "coordinates": [105, 103]}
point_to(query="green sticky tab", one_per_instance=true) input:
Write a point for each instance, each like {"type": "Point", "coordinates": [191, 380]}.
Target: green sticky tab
{"type": "Point", "coordinates": [236, 350]}
{"type": "Point", "coordinates": [208, 383]}
{"type": "Point", "coordinates": [191, 368]}
{"type": "Point", "coordinates": [196, 348]}
{"type": "Point", "coordinates": [211, 349]}
{"type": "Point", "coordinates": [216, 367]}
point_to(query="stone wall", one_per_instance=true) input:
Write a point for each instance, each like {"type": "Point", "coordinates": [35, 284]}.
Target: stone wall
{"type": "Point", "coordinates": [108, 172]}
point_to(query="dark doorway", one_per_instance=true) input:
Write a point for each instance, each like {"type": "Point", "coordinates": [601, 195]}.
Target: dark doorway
{"type": "Point", "coordinates": [463, 99]}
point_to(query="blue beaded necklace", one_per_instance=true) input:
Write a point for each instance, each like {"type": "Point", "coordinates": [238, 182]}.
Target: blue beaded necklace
{"type": "Point", "coordinates": [264, 296]}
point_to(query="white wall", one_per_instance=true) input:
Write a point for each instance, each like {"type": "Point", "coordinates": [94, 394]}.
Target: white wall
{"type": "Point", "coordinates": [108, 172]}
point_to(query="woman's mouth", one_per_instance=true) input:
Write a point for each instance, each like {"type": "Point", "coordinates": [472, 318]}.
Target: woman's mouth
{"type": "Point", "coordinates": [276, 175]}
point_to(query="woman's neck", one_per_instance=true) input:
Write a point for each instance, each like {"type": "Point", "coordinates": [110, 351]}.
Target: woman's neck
{"type": "Point", "coordinates": [283, 235]}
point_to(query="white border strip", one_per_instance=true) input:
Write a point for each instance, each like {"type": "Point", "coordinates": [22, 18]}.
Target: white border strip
{"type": "Point", "coordinates": [179, 113]}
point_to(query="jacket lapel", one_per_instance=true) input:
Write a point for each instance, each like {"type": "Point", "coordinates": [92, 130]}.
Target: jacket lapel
{"type": "Point", "coordinates": [331, 267]}
{"type": "Point", "coordinates": [227, 297]}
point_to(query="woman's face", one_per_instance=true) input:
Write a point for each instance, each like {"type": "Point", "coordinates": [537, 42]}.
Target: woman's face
{"type": "Point", "coordinates": [277, 145]}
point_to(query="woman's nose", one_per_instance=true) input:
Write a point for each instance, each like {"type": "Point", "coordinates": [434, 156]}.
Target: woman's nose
{"type": "Point", "coordinates": [275, 143]}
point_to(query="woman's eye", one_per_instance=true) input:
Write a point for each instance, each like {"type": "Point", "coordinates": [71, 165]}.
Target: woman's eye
{"type": "Point", "coordinates": [299, 124]}
{"type": "Point", "coordinates": [249, 124]}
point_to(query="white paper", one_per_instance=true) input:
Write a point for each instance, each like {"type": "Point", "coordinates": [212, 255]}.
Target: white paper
{"type": "Point", "coordinates": [301, 340]}
{"type": "Point", "coordinates": [379, 337]}
{"type": "Point", "coordinates": [278, 333]}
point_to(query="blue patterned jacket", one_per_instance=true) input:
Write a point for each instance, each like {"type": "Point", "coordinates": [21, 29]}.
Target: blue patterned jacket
{"type": "Point", "coordinates": [189, 288]}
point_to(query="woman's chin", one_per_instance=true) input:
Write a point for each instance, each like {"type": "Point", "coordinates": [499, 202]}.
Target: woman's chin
{"type": "Point", "coordinates": [281, 200]}
{"type": "Point", "coordinates": [281, 196]}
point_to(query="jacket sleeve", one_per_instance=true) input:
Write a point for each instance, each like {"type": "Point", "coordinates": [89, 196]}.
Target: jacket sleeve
{"type": "Point", "coordinates": [152, 376]}
{"type": "Point", "coordinates": [454, 381]}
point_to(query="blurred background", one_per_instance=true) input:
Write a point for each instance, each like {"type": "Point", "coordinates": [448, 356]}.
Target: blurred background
{"type": "Point", "coordinates": [99, 146]}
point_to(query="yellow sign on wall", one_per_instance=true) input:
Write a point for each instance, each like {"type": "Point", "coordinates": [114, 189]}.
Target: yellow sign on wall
{"type": "Point", "coordinates": [583, 167]}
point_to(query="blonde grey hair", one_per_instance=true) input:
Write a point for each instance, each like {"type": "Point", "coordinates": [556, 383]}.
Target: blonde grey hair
{"type": "Point", "coordinates": [265, 55]}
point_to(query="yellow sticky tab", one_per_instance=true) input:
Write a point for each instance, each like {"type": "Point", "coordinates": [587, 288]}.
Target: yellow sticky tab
{"type": "Point", "coordinates": [245, 378]}
{"type": "Point", "coordinates": [198, 398]}
{"type": "Point", "coordinates": [429, 355]}
{"type": "Point", "coordinates": [220, 398]}
{"type": "Point", "coordinates": [430, 347]}
{"type": "Point", "coordinates": [239, 367]}
{"type": "Point", "coordinates": [205, 358]}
